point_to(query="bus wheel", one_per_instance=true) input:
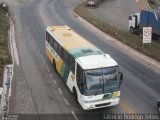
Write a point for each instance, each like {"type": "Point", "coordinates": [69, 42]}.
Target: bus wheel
{"type": "Point", "coordinates": [131, 30]}
{"type": "Point", "coordinates": [159, 109]}
{"type": "Point", "coordinates": [75, 94]}
{"type": "Point", "coordinates": [54, 66]}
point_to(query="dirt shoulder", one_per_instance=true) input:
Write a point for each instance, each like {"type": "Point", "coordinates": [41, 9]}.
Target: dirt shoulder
{"type": "Point", "coordinates": [153, 3]}
{"type": "Point", "coordinates": [131, 40]}
{"type": "Point", "coordinates": [116, 13]}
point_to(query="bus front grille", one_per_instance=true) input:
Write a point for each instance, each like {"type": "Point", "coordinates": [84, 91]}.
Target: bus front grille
{"type": "Point", "coordinates": [104, 104]}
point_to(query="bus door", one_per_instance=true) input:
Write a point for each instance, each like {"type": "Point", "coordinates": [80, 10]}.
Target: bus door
{"type": "Point", "coordinates": [79, 81]}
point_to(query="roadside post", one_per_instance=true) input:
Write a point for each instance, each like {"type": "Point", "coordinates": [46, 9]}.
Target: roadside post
{"type": "Point", "coordinates": [147, 35]}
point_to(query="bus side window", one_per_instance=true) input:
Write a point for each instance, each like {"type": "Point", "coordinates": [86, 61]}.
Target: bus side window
{"type": "Point", "coordinates": [62, 54]}
{"type": "Point", "coordinates": [59, 50]}
{"type": "Point", "coordinates": [49, 39]}
{"type": "Point", "coordinates": [55, 46]}
{"type": "Point", "coordinates": [47, 36]}
{"type": "Point", "coordinates": [51, 42]}
{"type": "Point", "coordinates": [65, 57]}
{"type": "Point", "coordinates": [79, 77]}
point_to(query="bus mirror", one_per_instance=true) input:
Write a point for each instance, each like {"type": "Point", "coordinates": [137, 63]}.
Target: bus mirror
{"type": "Point", "coordinates": [120, 77]}
{"type": "Point", "coordinates": [82, 84]}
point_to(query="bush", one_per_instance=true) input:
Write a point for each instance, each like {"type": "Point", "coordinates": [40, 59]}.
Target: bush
{"type": "Point", "coordinates": [151, 1]}
{"type": "Point", "coordinates": [4, 6]}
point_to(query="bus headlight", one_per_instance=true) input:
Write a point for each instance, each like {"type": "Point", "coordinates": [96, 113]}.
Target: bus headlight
{"type": "Point", "coordinates": [90, 107]}
{"type": "Point", "coordinates": [116, 97]}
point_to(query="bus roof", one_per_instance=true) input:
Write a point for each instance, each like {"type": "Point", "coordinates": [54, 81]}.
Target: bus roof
{"type": "Point", "coordinates": [96, 61]}
{"type": "Point", "coordinates": [72, 42]}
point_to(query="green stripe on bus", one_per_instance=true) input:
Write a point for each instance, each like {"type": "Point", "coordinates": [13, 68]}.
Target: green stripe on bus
{"type": "Point", "coordinates": [79, 52]}
{"type": "Point", "coordinates": [107, 96]}
{"type": "Point", "coordinates": [64, 71]}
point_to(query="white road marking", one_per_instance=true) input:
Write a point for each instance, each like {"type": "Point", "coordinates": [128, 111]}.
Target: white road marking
{"type": "Point", "coordinates": [38, 49]}
{"type": "Point", "coordinates": [60, 91]}
{"type": "Point", "coordinates": [148, 4]}
{"type": "Point", "coordinates": [48, 70]}
{"type": "Point", "coordinates": [41, 56]}
{"type": "Point", "coordinates": [44, 61]}
{"type": "Point", "coordinates": [51, 75]}
{"type": "Point", "coordinates": [55, 82]}
{"type": "Point", "coordinates": [74, 115]}
{"type": "Point", "coordinates": [66, 101]}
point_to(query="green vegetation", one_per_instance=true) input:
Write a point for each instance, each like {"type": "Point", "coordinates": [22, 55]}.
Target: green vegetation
{"type": "Point", "coordinates": [131, 40]}
{"type": "Point", "coordinates": [154, 3]}
{"type": "Point", "coordinates": [4, 50]}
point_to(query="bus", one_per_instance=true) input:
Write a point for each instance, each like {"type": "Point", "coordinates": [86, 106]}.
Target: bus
{"type": "Point", "coordinates": [91, 75]}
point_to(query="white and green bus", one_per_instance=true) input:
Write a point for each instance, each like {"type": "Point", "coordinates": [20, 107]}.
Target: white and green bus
{"type": "Point", "coordinates": [91, 75]}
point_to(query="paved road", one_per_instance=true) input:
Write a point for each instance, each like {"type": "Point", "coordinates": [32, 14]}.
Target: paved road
{"type": "Point", "coordinates": [38, 90]}
{"type": "Point", "coordinates": [116, 12]}
{"type": "Point", "coordinates": [140, 84]}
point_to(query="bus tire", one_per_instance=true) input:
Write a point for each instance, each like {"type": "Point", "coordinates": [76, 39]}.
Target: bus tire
{"type": "Point", "coordinates": [159, 109]}
{"type": "Point", "coordinates": [131, 30]}
{"type": "Point", "coordinates": [54, 66]}
{"type": "Point", "coordinates": [75, 94]}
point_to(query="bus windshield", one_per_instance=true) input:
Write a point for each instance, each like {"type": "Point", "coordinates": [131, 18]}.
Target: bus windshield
{"type": "Point", "coordinates": [100, 81]}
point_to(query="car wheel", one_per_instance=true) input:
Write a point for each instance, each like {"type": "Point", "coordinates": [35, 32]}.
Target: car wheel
{"type": "Point", "coordinates": [54, 66]}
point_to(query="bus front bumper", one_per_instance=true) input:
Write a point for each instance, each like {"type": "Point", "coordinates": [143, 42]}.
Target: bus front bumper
{"type": "Point", "coordinates": [96, 105]}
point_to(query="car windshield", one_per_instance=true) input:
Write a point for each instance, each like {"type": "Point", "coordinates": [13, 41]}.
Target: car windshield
{"type": "Point", "coordinates": [100, 81]}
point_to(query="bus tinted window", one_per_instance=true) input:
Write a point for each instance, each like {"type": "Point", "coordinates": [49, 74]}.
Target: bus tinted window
{"type": "Point", "coordinates": [59, 50]}
{"type": "Point", "coordinates": [66, 57]}
{"type": "Point", "coordinates": [55, 46]}
{"type": "Point", "coordinates": [49, 39]}
{"type": "Point", "coordinates": [51, 42]}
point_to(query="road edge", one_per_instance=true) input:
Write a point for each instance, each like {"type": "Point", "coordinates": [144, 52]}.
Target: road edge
{"type": "Point", "coordinates": [149, 62]}
{"type": "Point", "coordinates": [148, 4]}
{"type": "Point", "coordinates": [8, 72]}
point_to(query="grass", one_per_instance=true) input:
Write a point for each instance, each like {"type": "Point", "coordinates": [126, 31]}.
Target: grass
{"type": "Point", "coordinates": [4, 50]}
{"type": "Point", "coordinates": [134, 41]}
{"type": "Point", "coordinates": [154, 3]}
